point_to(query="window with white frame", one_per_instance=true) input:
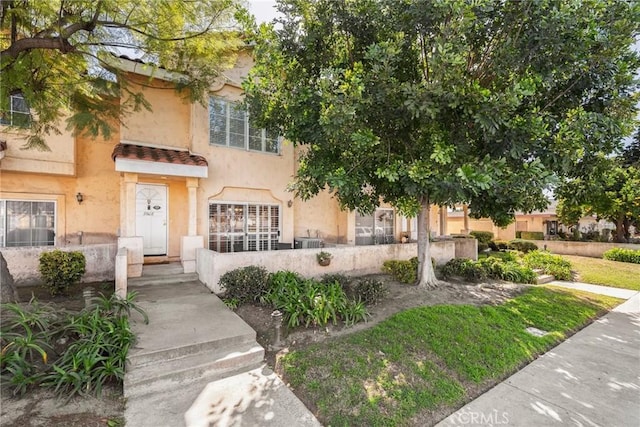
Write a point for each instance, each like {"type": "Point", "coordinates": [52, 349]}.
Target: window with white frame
{"type": "Point", "coordinates": [27, 223]}
{"type": "Point", "coordinates": [229, 125]}
{"type": "Point", "coordinates": [238, 227]}
{"type": "Point", "coordinates": [16, 112]}
{"type": "Point", "coordinates": [376, 229]}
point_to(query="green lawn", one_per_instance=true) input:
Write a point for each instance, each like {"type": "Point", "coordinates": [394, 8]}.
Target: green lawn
{"type": "Point", "coordinates": [604, 272]}
{"type": "Point", "coordinates": [432, 359]}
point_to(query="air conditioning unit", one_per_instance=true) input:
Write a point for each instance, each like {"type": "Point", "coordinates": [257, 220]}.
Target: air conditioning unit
{"type": "Point", "coordinates": [306, 243]}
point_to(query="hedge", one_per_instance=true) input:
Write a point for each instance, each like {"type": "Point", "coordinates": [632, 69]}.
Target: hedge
{"type": "Point", "coordinates": [532, 235]}
{"type": "Point", "coordinates": [622, 255]}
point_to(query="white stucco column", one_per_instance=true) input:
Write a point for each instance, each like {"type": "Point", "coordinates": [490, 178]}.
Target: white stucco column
{"type": "Point", "coordinates": [190, 243]}
{"type": "Point", "coordinates": [192, 188]}
{"type": "Point", "coordinates": [128, 221]}
{"type": "Point", "coordinates": [465, 211]}
{"type": "Point", "coordinates": [443, 220]}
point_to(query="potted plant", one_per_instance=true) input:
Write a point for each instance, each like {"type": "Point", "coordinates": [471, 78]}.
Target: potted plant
{"type": "Point", "coordinates": [324, 258]}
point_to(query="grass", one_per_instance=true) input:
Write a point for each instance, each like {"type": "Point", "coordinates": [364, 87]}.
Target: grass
{"type": "Point", "coordinates": [605, 272]}
{"type": "Point", "coordinates": [430, 360]}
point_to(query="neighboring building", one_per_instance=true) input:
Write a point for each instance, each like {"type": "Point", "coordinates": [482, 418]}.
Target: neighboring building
{"type": "Point", "coordinates": [180, 177]}
{"type": "Point", "coordinates": [545, 222]}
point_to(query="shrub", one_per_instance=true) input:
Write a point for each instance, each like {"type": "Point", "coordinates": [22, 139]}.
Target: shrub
{"type": "Point", "coordinates": [246, 284]}
{"type": "Point", "coordinates": [549, 264]}
{"type": "Point", "coordinates": [60, 269]}
{"type": "Point", "coordinates": [483, 236]}
{"type": "Point", "coordinates": [402, 271]}
{"type": "Point", "coordinates": [622, 255]}
{"type": "Point", "coordinates": [518, 234]}
{"type": "Point", "coordinates": [484, 239]}
{"type": "Point", "coordinates": [509, 270]}
{"type": "Point", "coordinates": [463, 267]}
{"type": "Point", "coordinates": [369, 291]}
{"type": "Point", "coordinates": [532, 235]}
{"type": "Point", "coordinates": [522, 245]}
{"type": "Point", "coordinates": [311, 302]}
{"type": "Point", "coordinates": [97, 342]}
{"type": "Point", "coordinates": [336, 277]}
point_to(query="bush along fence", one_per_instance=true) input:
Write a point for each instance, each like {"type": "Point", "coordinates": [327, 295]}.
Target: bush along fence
{"type": "Point", "coordinates": [623, 255]}
{"type": "Point", "coordinates": [308, 302]}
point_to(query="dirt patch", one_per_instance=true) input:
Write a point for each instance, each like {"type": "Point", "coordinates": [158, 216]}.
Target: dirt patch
{"type": "Point", "coordinates": [42, 408]}
{"type": "Point", "coordinates": [400, 297]}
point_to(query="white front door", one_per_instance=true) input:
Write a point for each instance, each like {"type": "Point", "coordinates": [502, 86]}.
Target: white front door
{"type": "Point", "coordinates": [151, 218]}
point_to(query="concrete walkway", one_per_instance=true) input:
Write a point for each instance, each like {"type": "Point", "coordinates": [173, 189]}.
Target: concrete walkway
{"type": "Point", "coordinates": [591, 379]}
{"type": "Point", "coordinates": [195, 364]}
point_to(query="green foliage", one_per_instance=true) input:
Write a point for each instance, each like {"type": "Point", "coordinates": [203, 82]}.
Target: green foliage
{"type": "Point", "coordinates": [484, 237]}
{"type": "Point", "coordinates": [310, 302]}
{"type": "Point", "coordinates": [59, 56]}
{"type": "Point", "coordinates": [368, 290]}
{"type": "Point", "coordinates": [71, 353]}
{"type": "Point", "coordinates": [522, 245]}
{"type": "Point", "coordinates": [336, 277]}
{"type": "Point", "coordinates": [60, 269]}
{"type": "Point", "coordinates": [487, 109]}
{"type": "Point", "coordinates": [463, 267]}
{"type": "Point", "coordinates": [245, 284]}
{"type": "Point", "coordinates": [622, 255]}
{"type": "Point", "coordinates": [499, 245]}
{"type": "Point", "coordinates": [490, 267]}
{"type": "Point", "coordinates": [413, 361]}
{"type": "Point", "coordinates": [402, 271]}
{"type": "Point", "coordinates": [532, 235]}
{"type": "Point", "coordinates": [549, 264]}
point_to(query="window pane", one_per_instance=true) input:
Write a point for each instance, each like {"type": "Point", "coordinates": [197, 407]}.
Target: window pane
{"type": "Point", "coordinates": [30, 223]}
{"type": "Point", "coordinates": [272, 142]}
{"type": "Point", "coordinates": [217, 121]}
{"type": "Point", "coordinates": [249, 227]}
{"type": "Point", "coordinates": [255, 138]}
{"type": "Point", "coordinates": [17, 112]}
{"type": "Point", "coordinates": [237, 118]}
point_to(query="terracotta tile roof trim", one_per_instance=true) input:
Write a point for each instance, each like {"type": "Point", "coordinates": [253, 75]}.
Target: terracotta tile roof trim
{"type": "Point", "coordinates": [152, 154]}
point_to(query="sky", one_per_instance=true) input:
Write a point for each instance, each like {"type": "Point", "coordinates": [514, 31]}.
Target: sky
{"type": "Point", "coordinates": [263, 10]}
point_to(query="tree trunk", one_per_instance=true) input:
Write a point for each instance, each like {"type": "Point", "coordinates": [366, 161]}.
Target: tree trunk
{"type": "Point", "coordinates": [620, 230]}
{"type": "Point", "coordinates": [8, 292]}
{"type": "Point", "coordinates": [426, 275]}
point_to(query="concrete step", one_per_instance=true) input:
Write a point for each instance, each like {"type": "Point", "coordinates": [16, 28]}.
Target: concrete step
{"type": "Point", "coordinates": [545, 278]}
{"type": "Point", "coordinates": [139, 357]}
{"type": "Point", "coordinates": [196, 368]}
{"type": "Point", "coordinates": [168, 269]}
{"type": "Point", "coordinates": [155, 280]}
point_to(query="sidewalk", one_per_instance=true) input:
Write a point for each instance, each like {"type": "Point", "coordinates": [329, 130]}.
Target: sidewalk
{"type": "Point", "coordinates": [591, 379]}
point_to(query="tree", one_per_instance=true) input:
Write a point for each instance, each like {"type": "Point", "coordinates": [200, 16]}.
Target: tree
{"type": "Point", "coordinates": [58, 55]}
{"type": "Point", "coordinates": [611, 193]}
{"type": "Point", "coordinates": [419, 102]}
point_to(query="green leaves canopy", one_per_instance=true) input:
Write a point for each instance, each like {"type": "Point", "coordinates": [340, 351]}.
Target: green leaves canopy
{"type": "Point", "coordinates": [59, 53]}
{"type": "Point", "coordinates": [481, 102]}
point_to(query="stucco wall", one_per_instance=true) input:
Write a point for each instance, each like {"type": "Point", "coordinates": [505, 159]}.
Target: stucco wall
{"type": "Point", "coordinates": [588, 249]}
{"type": "Point", "coordinates": [169, 121]}
{"type": "Point", "coordinates": [23, 262]}
{"type": "Point", "coordinates": [350, 260]}
{"type": "Point", "coordinates": [60, 160]}
{"type": "Point", "coordinates": [466, 248]}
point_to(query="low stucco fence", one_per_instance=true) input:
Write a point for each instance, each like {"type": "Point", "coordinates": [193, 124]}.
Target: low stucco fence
{"type": "Point", "coordinates": [349, 260]}
{"type": "Point", "coordinates": [588, 249]}
{"type": "Point", "coordinates": [23, 262]}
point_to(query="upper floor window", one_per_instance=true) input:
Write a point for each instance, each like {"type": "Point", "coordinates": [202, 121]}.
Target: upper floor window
{"type": "Point", "coordinates": [229, 125]}
{"type": "Point", "coordinates": [27, 223]}
{"type": "Point", "coordinates": [16, 112]}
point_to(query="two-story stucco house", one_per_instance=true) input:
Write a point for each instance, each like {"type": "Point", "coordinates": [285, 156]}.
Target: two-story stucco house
{"type": "Point", "coordinates": [169, 181]}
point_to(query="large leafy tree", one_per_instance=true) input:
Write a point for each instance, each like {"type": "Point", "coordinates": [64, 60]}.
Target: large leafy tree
{"type": "Point", "coordinates": [58, 54]}
{"type": "Point", "coordinates": [418, 102]}
{"type": "Point", "coordinates": [611, 191]}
